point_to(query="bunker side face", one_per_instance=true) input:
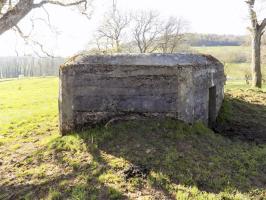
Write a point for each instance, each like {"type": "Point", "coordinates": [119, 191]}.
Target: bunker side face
{"type": "Point", "coordinates": [95, 89]}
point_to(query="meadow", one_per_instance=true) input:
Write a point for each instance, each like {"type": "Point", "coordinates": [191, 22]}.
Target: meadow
{"type": "Point", "coordinates": [235, 58]}
{"type": "Point", "coordinates": [182, 161]}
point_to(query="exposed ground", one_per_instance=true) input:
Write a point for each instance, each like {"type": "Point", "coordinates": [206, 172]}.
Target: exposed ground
{"type": "Point", "coordinates": [141, 159]}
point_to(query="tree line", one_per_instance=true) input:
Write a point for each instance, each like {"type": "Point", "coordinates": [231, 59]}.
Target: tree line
{"type": "Point", "coordinates": [13, 67]}
{"type": "Point", "coordinates": [148, 32]}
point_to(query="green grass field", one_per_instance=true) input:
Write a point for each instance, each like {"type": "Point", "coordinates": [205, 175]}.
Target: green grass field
{"type": "Point", "coordinates": [235, 58]}
{"type": "Point", "coordinates": [223, 51]}
{"type": "Point", "coordinates": [184, 162]}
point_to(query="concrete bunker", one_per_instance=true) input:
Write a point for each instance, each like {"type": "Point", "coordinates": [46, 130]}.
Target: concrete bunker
{"type": "Point", "coordinates": [96, 88]}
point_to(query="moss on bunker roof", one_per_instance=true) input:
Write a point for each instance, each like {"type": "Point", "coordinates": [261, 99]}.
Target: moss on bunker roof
{"type": "Point", "coordinates": [154, 59]}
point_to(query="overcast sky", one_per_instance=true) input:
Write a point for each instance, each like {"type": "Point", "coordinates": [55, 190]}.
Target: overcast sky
{"type": "Point", "coordinates": [204, 16]}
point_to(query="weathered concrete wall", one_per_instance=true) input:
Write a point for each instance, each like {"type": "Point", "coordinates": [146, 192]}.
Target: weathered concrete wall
{"type": "Point", "coordinates": [94, 89]}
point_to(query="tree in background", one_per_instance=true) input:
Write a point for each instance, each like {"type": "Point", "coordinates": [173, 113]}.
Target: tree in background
{"type": "Point", "coordinates": [110, 33]}
{"type": "Point", "coordinates": [172, 34]}
{"type": "Point", "coordinates": [22, 66]}
{"type": "Point", "coordinates": [146, 31]}
{"type": "Point", "coordinates": [13, 11]}
{"type": "Point", "coordinates": [256, 30]}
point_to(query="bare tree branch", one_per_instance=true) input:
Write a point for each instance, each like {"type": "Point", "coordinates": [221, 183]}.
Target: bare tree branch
{"type": "Point", "coordinates": [12, 17]}
{"type": "Point", "coordinates": [17, 12]}
{"type": "Point", "coordinates": [262, 25]}
{"type": "Point", "coordinates": [146, 31]}
{"type": "Point", "coordinates": [13, 11]}
{"type": "Point", "coordinates": [112, 30]}
{"type": "Point", "coordinates": [60, 3]}
{"type": "Point", "coordinates": [172, 34]}
{"type": "Point", "coordinates": [28, 39]}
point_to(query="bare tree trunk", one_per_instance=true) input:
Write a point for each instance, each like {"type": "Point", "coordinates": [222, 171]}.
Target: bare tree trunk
{"type": "Point", "coordinates": [12, 17]}
{"type": "Point", "coordinates": [256, 60]}
{"type": "Point", "coordinates": [118, 49]}
{"type": "Point", "coordinates": [257, 30]}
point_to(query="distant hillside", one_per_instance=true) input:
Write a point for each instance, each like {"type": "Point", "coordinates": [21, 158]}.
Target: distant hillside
{"type": "Point", "coordinates": [185, 41]}
{"type": "Point", "coordinates": [194, 39]}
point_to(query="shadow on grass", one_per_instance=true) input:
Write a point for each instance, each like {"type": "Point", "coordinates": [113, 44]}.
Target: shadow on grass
{"type": "Point", "coordinates": [82, 182]}
{"type": "Point", "coordinates": [188, 156]}
{"type": "Point", "coordinates": [54, 189]}
{"type": "Point", "coordinates": [244, 117]}
{"type": "Point", "coordinates": [175, 154]}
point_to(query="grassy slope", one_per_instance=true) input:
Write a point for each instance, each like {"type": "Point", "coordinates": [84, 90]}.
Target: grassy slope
{"type": "Point", "coordinates": [185, 162]}
{"type": "Point", "coordinates": [225, 53]}
{"type": "Point", "coordinates": [223, 50]}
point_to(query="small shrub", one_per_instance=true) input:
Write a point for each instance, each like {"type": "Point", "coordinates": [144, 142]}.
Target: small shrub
{"type": "Point", "coordinates": [67, 143]}
{"type": "Point", "coordinates": [54, 195]}
{"type": "Point", "coordinates": [114, 194]}
{"type": "Point", "coordinates": [200, 129]}
{"type": "Point", "coordinates": [225, 112]}
{"type": "Point", "coordinates": [79, 193]}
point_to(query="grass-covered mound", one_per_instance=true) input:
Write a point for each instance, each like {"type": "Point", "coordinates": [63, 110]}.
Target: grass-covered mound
{"type": "Point", "coordinates": [176, 161]}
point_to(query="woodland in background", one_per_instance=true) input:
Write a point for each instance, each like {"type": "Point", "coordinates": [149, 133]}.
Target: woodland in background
{"type": "Point", "coordinates": [28, 66]}
{"type": "Point", "coordinates": [14, 67]}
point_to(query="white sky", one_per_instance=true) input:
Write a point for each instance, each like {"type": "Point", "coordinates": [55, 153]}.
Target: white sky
{"type": "Point", "coordinates": [204, 16]}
